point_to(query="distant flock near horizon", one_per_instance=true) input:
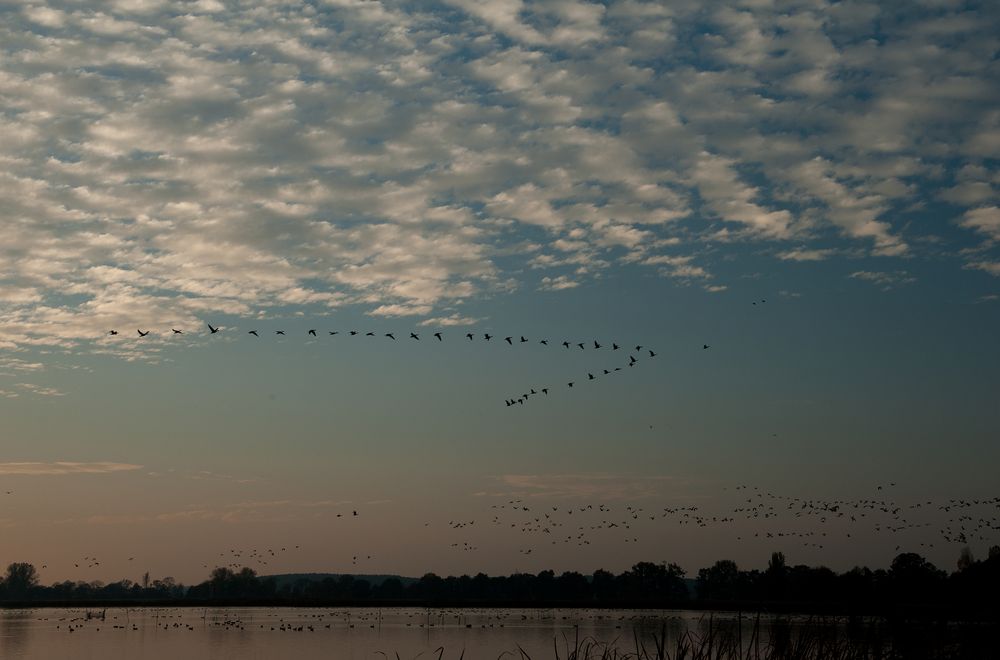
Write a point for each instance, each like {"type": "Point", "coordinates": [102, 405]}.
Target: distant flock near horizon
{"type": "Point", "coordinates": [511, 340]}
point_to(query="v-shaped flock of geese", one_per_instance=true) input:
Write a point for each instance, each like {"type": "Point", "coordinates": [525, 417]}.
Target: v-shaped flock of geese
{"type": "Point", "coordinates": [613, 348]}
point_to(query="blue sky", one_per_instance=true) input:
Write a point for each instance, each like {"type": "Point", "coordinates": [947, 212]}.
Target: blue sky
{"type": "Point", "coordinates": [638, 172]}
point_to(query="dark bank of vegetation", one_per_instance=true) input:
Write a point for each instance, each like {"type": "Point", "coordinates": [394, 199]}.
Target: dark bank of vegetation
{"type": "Point", "coordinates": [911, 584]}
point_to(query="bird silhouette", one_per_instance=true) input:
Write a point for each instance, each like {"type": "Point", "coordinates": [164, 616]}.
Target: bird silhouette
{"type": "Point", "coordinates": [254, 333]}
{"type": "Point", "coordinates": [334, 332]}
{"type": "Point", "coordinates": [142, 334]}
{"type": "Point", "coordinates": [354, 332]}
{"type": "Point", "coordinates": [523, 339]}
{"type": "Point", "coordinates": [705, 347]}
{"type": "Point", "coordinates": [580, 345]}
{"type": "Point", "coordinates": [590, 376]}
{"type": "Point", "coordinates": [438, 335]}
{"type": "Point", "coordinates": [596, 345]}
{"type": "Point", "coordinates": [211, 329]}
{"type": "Point", "coordinates": [176, 332]}
{"type": "Point", "coordinates": [569, 384]}
{"type": "Point", "coordinates": [469, 335]}
{"type": "Point", "coordinates": [413, 335]}
{"type": "Point", "coordinates": [545, 391]}
{"type": "Point", "coordinates": [565, 344]}
{"type": "Point", "coordinates": [508, 340]}
{"type": "Point", "coordinates": [279, 332]}
{"type": "Point", "coordinates": [544, 341]}
{"type": "Point", "coordinates": [112, 332]}
{"type": "Point", "coordinates": [390, 336]}
{"type": "Point", "coordinates": [488, 336]}
{"type": "Point", "coordinates": [312, 332]}
{"type": "Point", "coordinates": [652, 354]}
{"type": "Point", "coordinates": [369, 334]}
{"type": "Point", "coordinates": [614, 347]}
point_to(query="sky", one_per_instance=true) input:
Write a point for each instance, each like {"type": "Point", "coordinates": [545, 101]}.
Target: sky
{"type": "Point", "coordinates": [809, 188]}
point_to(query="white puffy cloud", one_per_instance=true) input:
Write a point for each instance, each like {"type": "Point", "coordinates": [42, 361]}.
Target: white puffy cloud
{"type": "Point", "coordinates": [166, 163]}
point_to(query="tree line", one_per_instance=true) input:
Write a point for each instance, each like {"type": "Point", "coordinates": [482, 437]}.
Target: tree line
{"type": "Point", "coordinates": [910, 580]}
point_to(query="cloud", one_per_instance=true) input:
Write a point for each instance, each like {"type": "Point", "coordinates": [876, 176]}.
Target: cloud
{"type": "Point", "coordinates": [166, 165]}
{"type": "Point", "coordinates": [984, 220]}
{"type": "Point", "coordinates": [602, 486]}
{"type": "Point", "coordinates": [65, 467]}
{"type": "Point", "coordinates": [884, 280]}
{"type": "Point", "coordinates": [805, 254]}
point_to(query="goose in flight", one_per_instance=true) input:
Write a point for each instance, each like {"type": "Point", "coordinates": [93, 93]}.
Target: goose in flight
{"type": "Point", "coordinates": [279, 332]}
{"type": "Point", "coordinates": [142, 334]}
{"type": "Point", "coordinates": [523, 339]}
{"type": "Point", "coordinates": [211, 329]}
{"type": "Point", "coordinates": [334, 332]}
{"type": "Point", "coordinates": [390, 336]}
{"type": "Point", "coordinates": [354, 332]}
{"type": "Point", "coordinates": [569, 384]}
{"type": "Point", "coordinates": [312, 332]}
{"type": "Point", "coordinates": [565, 344]}
{"type": "Point", "coordinates": [507, 339]}
{"type": "Point", "coordinates": [545, 342]}
{"type": "Point", "coordinates": [177, 332]}
{"type": "Point", "coordinates": [469, 335]}
{"type": "Point", "coordinates": [545, 391]}
{"type": "Point", "coordinates": [614, 347]}
{"type": "Point", "coordinates": [254, 333]}
{"type": "Point", "coordinates": [590, 376]}
{"type": "Point", "coordinates": [596, 345]}
{"type": "Point", "coordinates": [487, 336]}
{"type": "Point", "coordinates": [580, 345]}
{"type": "Point", "coordinates": [652, 354]}
{"type": "Point", "coordinates": [413, 335]}
{"type": "Point", "coordinates": [705, 347]}
{"type": "Point", "coordinates": [438, 335]}
{"type": "Point", "coordinates": [112, 332]}
{"type": "Point", "coordinates": [369, 334]}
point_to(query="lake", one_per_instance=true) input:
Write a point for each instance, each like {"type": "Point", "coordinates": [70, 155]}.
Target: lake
{"type": "Point", "coordinates": [349, 633]}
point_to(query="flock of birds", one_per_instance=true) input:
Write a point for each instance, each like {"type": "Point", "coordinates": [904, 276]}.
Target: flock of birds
{"type": "Point", "coordinates": [614, 348]}
{"type": "Point", "coordinates": [748, 513]}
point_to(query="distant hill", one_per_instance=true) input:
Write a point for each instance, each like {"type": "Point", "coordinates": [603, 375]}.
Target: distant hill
{"type": "Point", "coordinates": [283, 579]}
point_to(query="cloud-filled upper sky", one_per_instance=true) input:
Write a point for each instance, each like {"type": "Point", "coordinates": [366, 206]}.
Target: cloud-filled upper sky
{"type": "Point", "coordinates": [467, 163]}
{"type": "Point", "coordinates": [167, 161]}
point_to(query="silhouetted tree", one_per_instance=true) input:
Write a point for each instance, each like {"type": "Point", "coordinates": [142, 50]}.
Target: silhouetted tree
{"type": "Point", "coordinates": [19, 579]}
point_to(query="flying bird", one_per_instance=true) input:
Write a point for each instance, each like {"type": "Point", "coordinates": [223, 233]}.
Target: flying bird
{"type": "Point", "coordinates": [614, 347]}
{"type": "Point", "coordinates": [469, 335]}
{"type": "Point", "coordinates": [211, 329]}
{"type": "Point", "coordinates": [279, 332]}
{"type": "Point", "coordinates": [334, 332]}
{"type": "Point", "coordinates": [565, 344]}
{"type": "Point", "coordinates": [354, 332]}
{"type": "Point", "coordinates": [590, 376]}
{"type": "Point", "coordinates": [254, 333]}
{"type": "Point", "coordinates": [488, 336]}
{"type": "Point", "coordinates": [112, 332]}
{"type": "Point", "coordinates": [438, 335]}
{"type": "Point", "coordinates": [177, 332]}
{"type": "Point", "coordinates": [569, 384]}
{"type": "Point", "coordinates": [545, 391]}
{"type": "Point", "coordinates": [390, 336]}
{"type": "Point", "coordinates": [413, 335]}
{"type": "Point", "coordinates": [523, 339]}
{"type": "Point", "coordinates": [652, 354]}
{"type": "Point", "coordinates": [596, 345]}
{"type": "Point", "coordinates": [507, 339]}
{"type": "Point", "coordinates": [544, 341]}
{"type": "Point", "coordinates": [312, 332]}
{"type": "Point", "coordinates": [580, 345]}
{"type": "Point", "coordinates": [142, 334]}
{"type": "Point", "coordinates": [705, 347]}
{"type": "Point", "coordinates": [369, 334]}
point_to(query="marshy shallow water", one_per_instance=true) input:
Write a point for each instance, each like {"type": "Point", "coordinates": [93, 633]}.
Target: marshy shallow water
{"type": "Point", "coordinates": [248, 633]}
